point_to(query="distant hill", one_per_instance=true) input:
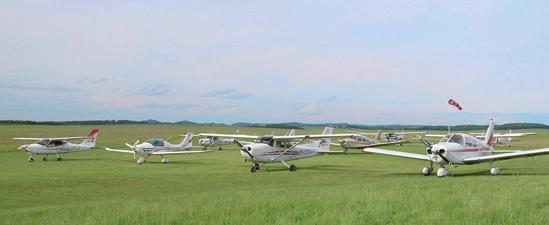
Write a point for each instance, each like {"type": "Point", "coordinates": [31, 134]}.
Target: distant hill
{"type": "Point", "coordinates": [289, 125]}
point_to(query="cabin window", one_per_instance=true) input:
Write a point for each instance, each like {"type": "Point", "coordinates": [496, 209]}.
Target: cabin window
{"type": "Point", "coordinates": [456, 138]}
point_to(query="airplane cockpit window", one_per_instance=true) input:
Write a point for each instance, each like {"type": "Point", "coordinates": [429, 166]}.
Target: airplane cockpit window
{"type": "Point", "coordinates": [156, 142]}
{"type": "Point", "coordinates": [469, 141]}
{"type": "Point", "coordinates": [55, 143]}
{"type": "Point", "coordinates": [456, 138]}
{"type": "Point", "coordinates": [43, 142]}
{"type": "Point", "coordinates": [360, 138]}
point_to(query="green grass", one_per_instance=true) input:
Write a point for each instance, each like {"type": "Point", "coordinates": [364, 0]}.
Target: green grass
{"type": "Point", "coordinates": [100, 187]}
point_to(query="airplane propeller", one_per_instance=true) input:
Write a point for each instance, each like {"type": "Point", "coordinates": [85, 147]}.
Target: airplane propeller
{"type": "Point", "coordinates": [427, 144]}
{"type": "Point", "coordinates": [440, 152]}
{"type": "Point", "coordinates": [244, 148]}
{"type": "Point", "coordinates": [133, 147]}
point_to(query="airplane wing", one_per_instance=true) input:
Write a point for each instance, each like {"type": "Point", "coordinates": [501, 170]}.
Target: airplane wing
{"type": "Point", "coordinates": [179, 152]}
{"type": "Point", "coordinates": [237, 136]}
{"type": "Point", "coordinates": [119, 150]}
{"type": "Point", "coordinates": [436, 135]}
{"type": "Point", "coordinates": [505, 156]}
{"type": "Point", "coordinates": [410, 133]}
{"type": "Point", "coordinates": [314, 136]}
{"type": "Point", "coordinates": [505, 135]}
{"type": "Point", "coordinates": [53, 139]}
{"type": "Point", "coordinates": [396, 153]}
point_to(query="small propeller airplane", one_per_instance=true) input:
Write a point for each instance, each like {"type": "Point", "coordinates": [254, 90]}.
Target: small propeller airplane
{"type": "Point", "coordinates": [271, 149]}
{"type": "Point", "coordinates": [461, 149]}
{"type": "Point", "coordinates": [57, 146]}
{"type": "Point", "coordinates": [158, 147]}
{"type": "Point", "coordinates": [504, 139]}
{"type": "Point", "coordinates": [360, 141]}
{"type": "Point", "coordinates": [219, 142]}
{"type": "Point", "coordinates": [216, 141]}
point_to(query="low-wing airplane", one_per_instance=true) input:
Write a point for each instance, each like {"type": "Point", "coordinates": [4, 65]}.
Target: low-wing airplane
{"type": "Point", "coordinates": [215, 142]}
{"type": "Point", "coordinates": [158, 147]}
{"type": "Point", "coordinates": [57, 146]}
{"type": "Point", "coordinates": [459, 149]}
{"type": "Point", "coordinates": [361, 141]}
{"type": "Point", "coordinates": [271, 149]}
{"type": "Point", "coordinates": [504, 139]}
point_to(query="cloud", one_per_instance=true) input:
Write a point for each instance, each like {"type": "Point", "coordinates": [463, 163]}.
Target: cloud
{"type": "Point", "coordinates": [30, 86]}
{"type": "Point", "coordinates": [157, 90]}
{"type": "Point", "coordinates": [227, 94]}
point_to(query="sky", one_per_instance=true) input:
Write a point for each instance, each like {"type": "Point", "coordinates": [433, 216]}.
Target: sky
{"type": "Point", "coordinates": [366, 62]}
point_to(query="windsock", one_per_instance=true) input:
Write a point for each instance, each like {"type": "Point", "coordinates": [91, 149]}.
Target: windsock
{"type": "Point", "coordinates": [456, 104]}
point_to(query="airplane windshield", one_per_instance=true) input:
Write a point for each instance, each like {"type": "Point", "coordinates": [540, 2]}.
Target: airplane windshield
{"type": "Point", "coordinates": [43, 142]}
{"type": "Point", "coordinates": [156, 142]}
{"type": "Point", "coordinates": [456, 138]}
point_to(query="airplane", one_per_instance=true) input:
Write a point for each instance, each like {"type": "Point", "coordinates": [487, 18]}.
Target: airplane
{"type": "Point", "coordinates": [271, 149]}
{"type": "Point", "coordinates": [216, 141]}
{"type": "Point", "coordinates": [158, 147]}
{"type": "Point", "coordinates": [57, 146]}
{"type": "Point", "coordinates": [360, 141]}
{"type": "Point", "coordinates": [461, 149]}
{"type": "Point", "coordinates": [504, 139]}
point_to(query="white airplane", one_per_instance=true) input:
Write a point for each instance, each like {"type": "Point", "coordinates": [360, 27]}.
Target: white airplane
{"type": "Point", "coordinates": [270, 149]}
{"type": "Point", "coordinates": [219, 142]}
{"type": "Point", "coordinates": [504, 139]}
{"type": "Point", "coordinates": [158, 147]}
{"type": "Point", "coordinates": [216, 141]}
{"type": "Point", "coordinates": [360, 141]}
{"type": "Point", "coordinates": [459, 149]}
{"type": "Point", "coordinates": [46, 146]}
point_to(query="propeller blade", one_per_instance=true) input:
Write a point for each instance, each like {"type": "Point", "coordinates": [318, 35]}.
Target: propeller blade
{"type": "Point", "coordinates": [425, 142]}
{"type": "Point", "coordinates": [247, 152]}
{"type": "Point", "coordinates": [442, 157]}
{"type": "Point", "coordinates": [238, 143]}
{"type": "Point", "coordinates": [130, 146]}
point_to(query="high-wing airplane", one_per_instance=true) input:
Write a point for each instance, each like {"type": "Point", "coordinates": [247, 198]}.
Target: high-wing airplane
{"type": "Point", "coordinates": [361, 141]}
{"type": "Point", "coordinates": [459, 149]}
{"type": "Point", "coordinates": [504, 139]}
{"type": "Point", "coordinates": [216, 142]}
{"type": "Point", "coordinates": [158, 147]}
{"type": "Point", "coordinates": [219, 142]}
{"type": "Point", "coordinates": [46, 146]}
{"type": "Point", "coordinates": [271, 149]}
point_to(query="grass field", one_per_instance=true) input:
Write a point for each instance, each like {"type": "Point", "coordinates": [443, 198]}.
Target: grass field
{"type": "Point", "coordinates": [100, 187]}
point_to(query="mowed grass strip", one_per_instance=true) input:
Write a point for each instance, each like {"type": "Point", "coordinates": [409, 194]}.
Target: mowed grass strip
{"type": "Point", "coordinates": [100, 187]}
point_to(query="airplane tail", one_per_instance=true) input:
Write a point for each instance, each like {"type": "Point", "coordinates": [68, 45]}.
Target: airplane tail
{"type": "Point", "coordinates": [92, 137]}
{"type": "Point", "coordinates": [490, 133]}
{"type": "Point", "coordinates": [291, 132]}
{"type": "Point", "coordinates": [324, 144]}
{"type": "Point", "coordinates": [187, 141]}
{"type": "Point", "coordinates": [378, 135]}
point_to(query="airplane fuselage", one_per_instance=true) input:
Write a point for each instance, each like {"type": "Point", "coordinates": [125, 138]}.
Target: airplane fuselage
{"type": "Point", "coordinates": [66, 147]}
{"type": "Point", "coordinates": [264, 153]}
{"type": "Point", "coordinates": [455, 153]}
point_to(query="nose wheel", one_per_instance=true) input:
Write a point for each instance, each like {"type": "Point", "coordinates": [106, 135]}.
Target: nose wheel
{"type": "Point", "coordinates": [494, 171]}
{"type": "Point", "coordinates": [255, 167]}
{"type": "Point", "coordinates": [45, 158]}
{"type": "Point", "coordinates": [292, 168]}
{"type": "Point", "coordinates": [442, 172]}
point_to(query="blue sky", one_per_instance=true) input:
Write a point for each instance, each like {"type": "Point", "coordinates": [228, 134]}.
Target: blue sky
{"type": "Point", "coordinates": [369, 62]}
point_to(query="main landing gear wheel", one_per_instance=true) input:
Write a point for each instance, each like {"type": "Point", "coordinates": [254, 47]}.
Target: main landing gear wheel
{"type": "Point", "coordinates": [164, 161]}
{"type": "Point", "coordinates": [219, 148]}
{"type": "Point", "coordinates": [292, 168]}
{"type": "Point", "coordinates": [31, 160]}
{"type": "Point", "coordinates": [494, 171]}
{"type": "Point", "coordinates": [254, 169]}
{"type": "Point", "coordinates": [45, 159]}
{"type": "Point", "coordinates": [59, 159]}
{"type": "Point", "coordinates": [427, 171]}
